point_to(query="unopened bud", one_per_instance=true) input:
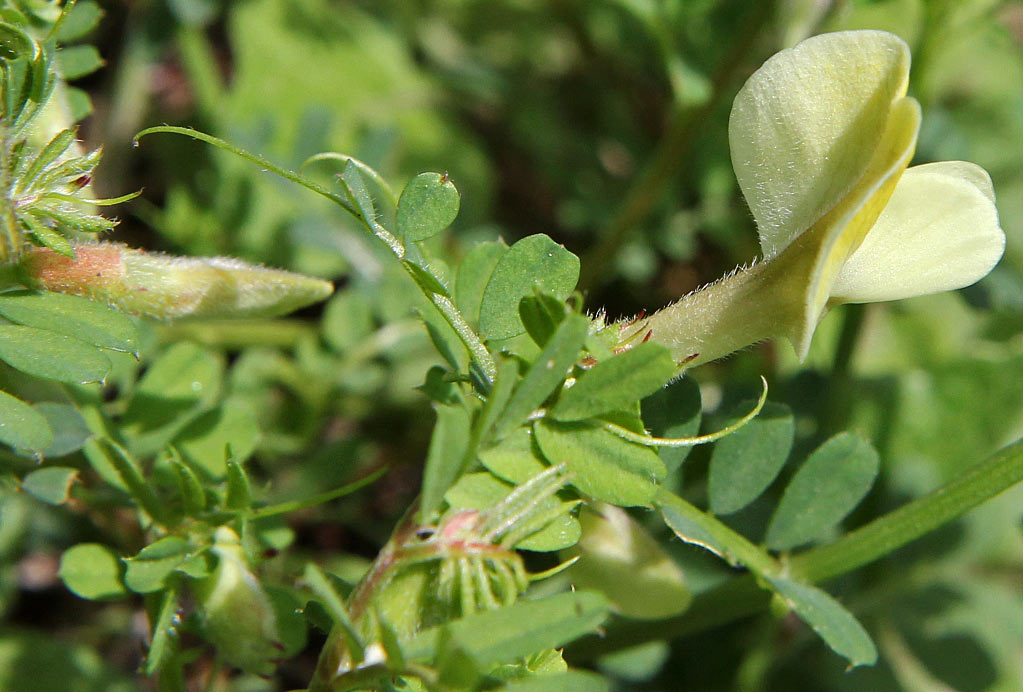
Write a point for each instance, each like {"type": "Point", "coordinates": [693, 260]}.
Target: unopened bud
{"type": "Point", "coordinates": [238, 616]}
{"type": "Point", "coordinates": [167, 287]}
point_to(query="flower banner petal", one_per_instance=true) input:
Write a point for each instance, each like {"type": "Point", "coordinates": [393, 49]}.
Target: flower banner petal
{"type": "Point", "coordinates": [805, 126]}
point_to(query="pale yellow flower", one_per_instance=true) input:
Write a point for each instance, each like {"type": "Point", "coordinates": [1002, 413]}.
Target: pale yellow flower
{"type": "Point", "coordinates": [821, 136]}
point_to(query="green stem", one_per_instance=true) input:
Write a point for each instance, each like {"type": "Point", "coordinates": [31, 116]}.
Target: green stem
{"type": "Point", "coordinates": [880, 537]}
{"type": "Point", "coordinates": [471, 340]}
{"type": "Point", "coordinates": [447, 309]}
{"type": "Point", "coordinates": [364, 168]}
{"type": "Point", "coordinates": [741, 597]}
{"type": "Point", "coordinates": [285, 507]}
{"type": "Point", "coordinates": [735, 544]}
{"type": "Point", "coordinates": [265, 163]}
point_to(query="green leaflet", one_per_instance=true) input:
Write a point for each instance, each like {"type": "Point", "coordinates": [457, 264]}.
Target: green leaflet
{"type": "Point", "coordinates": [428, 205]}
{"type": "Point", "coordinates": [78, 61]}
{"type": "Point", "coordinates": [446, 457]}
{"type": "Point", "coordinates": [744, 463]}
{"type": "Point", "coordinates": [22, 426]}
{"type": "Point", "coordinates": [835, 625]}
{"type": "Point", "coordinates": [147, 571]}
{"type": "Point", "coordinates": [674, 411]}
{"type": "Point", "coordinates": [513, 632]}
{"type": "Point", "coordinates": [204, 440]}
{"type": "Point", "coordinates": [548, 370]}
{"type": "Point", "coordinates": [616, 383]}
{"type": "Point", "coordinates": [568, 681]}
{"type": "Point", "coordinates": [51, 484]}
{"type": "Point", "coordinates": [52, 356]}
{"type": "Point", "coordinates": [533, 263]}
{"type": "Point", "coordinates": [515, 458]}
{"type": "Point", "coordinates": [92, 571]}
{"type": "Point", "coordinates": [473, 274]}
{"type": "Point", "coordinates": [826, 488]}
{"type": "Point", "coordinates": [239, 489]}
{"type": "Point", "coordinates": [181, 382]}
{"type": "Point", "coordinates": [84, 319]}
{"type": "Point", "coordinates": [541, 314]}
{"type": "Point", "coordinates": [70, 431]}
{"type": "Point", "coordinates": [163, 640]}
{"type": "Point", "coordinates": [602, 465]}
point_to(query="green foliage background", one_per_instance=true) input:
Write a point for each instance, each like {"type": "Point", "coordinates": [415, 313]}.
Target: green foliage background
{"type": "Point", "coordinates": [601, 123]}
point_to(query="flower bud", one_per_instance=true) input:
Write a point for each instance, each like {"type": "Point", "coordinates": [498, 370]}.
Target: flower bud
{"type": "Point", "coordinates": [238, 616]}
{"type": "Point", "coordinates": [167, 287]}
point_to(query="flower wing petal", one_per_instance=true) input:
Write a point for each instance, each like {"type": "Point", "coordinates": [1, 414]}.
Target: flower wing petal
{"type": "Point", "coordinates": [804, 127]}
{"type": "Point", "coordinates": [939, 232]}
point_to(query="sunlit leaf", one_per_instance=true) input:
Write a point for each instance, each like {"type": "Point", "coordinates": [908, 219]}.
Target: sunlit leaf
{"type": "Point", "coordinates": [548, 370]}
{"type": "Point", "coordinates": [510, 633]}
{"type": "Point", "coordinates": [533, 263]}
{"type": "Point", "coordinates": [92, 571]}
{"type": "Point", "coordinates": [616, 383]}
{"type": "Point", "coordinates": [428, 205]}
{"type": "Point", "coordinates": [602, 465]}
{"type": "Point", "coordinates": [84, 319]}
{"type": "Point", "coordinates": [515, 458]}
{"type": "Point", "coordinates": [52, 356]}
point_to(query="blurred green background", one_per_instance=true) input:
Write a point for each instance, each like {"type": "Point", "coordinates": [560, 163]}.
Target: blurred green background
{"type": "Point", "coordinates": [602, 123]}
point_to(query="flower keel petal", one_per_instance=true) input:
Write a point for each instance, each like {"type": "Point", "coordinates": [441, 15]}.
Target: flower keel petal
{"type": "Point", "coordinates": [939, 232]}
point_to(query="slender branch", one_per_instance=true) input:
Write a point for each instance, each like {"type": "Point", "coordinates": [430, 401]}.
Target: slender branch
{"type": "Point", "coordinates": [741, 597]}
{"type": "Point", "coordinates": [880, 537]}
{"type": "Point", "coordinates": [364, 168]}
{"type": "Point", "coordinates": [737, 546]}
{"type": "Point", "coordinates": [265, 163]}
{"type": "Point", "coordinates": [319, 499]}
{"type": "Point", "coordinates": [470, 338]}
